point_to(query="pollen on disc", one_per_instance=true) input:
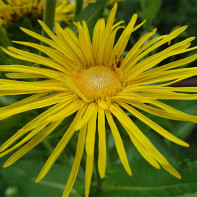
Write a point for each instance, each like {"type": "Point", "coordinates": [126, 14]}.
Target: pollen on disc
{"type": "Point", "coordinates": [97, 81]}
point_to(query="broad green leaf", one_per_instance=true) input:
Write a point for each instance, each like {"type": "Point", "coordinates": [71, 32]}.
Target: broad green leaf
{"type": "Point", "coordinates": [184, 129]}
{"type": "Point", "coordinates": [23, 174]}
{"type": "Point", "coordinates": [147, 181]}
{"type": "Point", "coordinates": [150, 10]}
{"type": "Point", "coordinates": [189, 195]}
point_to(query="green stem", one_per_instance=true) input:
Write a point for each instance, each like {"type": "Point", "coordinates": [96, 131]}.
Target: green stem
{"type": "Point", "coordinates": [78, 7]}
{"type": "Point", "coordinates": [49, 15]}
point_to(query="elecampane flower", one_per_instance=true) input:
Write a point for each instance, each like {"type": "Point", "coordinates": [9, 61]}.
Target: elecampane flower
{"type": "Point", "coordinates": [91, 79]}
{"type": "Point", "coordinates": [109, 3]}
{"type": "Point", "coordinates": [16, 8]}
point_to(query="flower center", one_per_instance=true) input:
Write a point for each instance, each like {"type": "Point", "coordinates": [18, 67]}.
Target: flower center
{"type": "Point", "coordinates": [97, 81]}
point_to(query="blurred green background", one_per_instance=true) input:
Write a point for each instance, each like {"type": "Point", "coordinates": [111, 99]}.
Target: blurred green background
{"type": "Point", "coordinates": [18, 179]}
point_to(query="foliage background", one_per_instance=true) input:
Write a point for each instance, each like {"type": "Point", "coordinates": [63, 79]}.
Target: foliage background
{"type": "Point", "coordinates": [18, 180]}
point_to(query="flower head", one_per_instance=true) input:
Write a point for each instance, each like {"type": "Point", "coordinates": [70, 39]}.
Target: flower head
{"type": "Point", "coordinates": [91, 79]}
{"type": "Point", "coordinates": [10, 12]}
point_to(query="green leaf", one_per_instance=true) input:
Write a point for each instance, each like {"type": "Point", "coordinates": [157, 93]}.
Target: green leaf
{"type": "Point", "coordinates": [150, 9]}
{"type": "Point", "coordinates": [189, 195]}
{"type": "Point", "coordinates": [184, 129]}
{"type": "Point", "coordinates": [90, 14]}
{"type": "Point", "coordinates": [147, 181]}
{"type": "Point", "coordinates": [23, 174]}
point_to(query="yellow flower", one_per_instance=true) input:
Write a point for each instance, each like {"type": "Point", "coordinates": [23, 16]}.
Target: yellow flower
{"type": "Point", "coordinates": [109, 3]}
{"type": "Point", "coordinates": [91, 79]}
{"type": "Point", "coordinates": [16, 8]}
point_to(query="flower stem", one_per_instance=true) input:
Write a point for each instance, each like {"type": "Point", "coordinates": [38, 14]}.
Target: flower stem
{"type": "Point", "coordinates": [78, 7]}
{"type": "Point", "coordinates": [49, 14]}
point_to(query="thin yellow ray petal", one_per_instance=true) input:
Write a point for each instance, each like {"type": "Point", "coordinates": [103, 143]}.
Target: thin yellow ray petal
{"type": "Point", "coordinates": [169, 96]}
{"type": "Point", "coordinates": [171, 170]}
{"type": "Point", "coordinates": [40, 59]}
{"type": "Point", "coordinates": [27, 138]}
{"type": "Point", "coordinates": [142, 149]}
{"type": "Point", "coordinates": [98, 46]}
{"type": "Point", "coordinates": [57, 46]}
{"type": "Point", "coordinates": [31, 144]}
{"type": "Point", "coordinates": [166, 76]}
{"type": "Point", "coordinates": [164, 114]}
{"type": "Point", "coordinates": [151, 156]}
{"type": "Point", "coordinates": [40, 103]}
{"type": "Point", "coordinates": [88, 173]}
{"type": "Point", "coordinates": [73, 87]}
{"type": "Point", "coordinates": [76, 46]}
{"type": "Point", "coordinates": [62, 59]}
{"type": "Point", "coordinates": [129, 57]}
{"type": "Point", "coordinates": [158, 89]}
{"type": "Point", "coordinates": [32, 70]}
{"type": "Point", "coordinates": [151, 61]}
{"type": "Point", "coordinates": [39, 37]}
{"type": "Point", "coordinates": [72, 42]}
{"type": "Point", "coordinates": [125, 120]}
{"type": "Point", "coordinates": [108, 49]}
{"type": "Point", "coordinates": [27, 56]}
{"type": "Point", "coordinates": [166, 39]}
{"type": "Point", "coordinates": [19, 92]}
{"type": "Point", "coordinates": [166, 107]}
{"type": "Point", "coordinates": [35, 123]}
{"type": "Point", "coordinates": [158, 92]}
{"type": "Point", "coordinates": [148, 44]}
{"type": "Point", "coordinates": [101, 36]}
{"type": "Point", "coordinates": [138, 26]}
{"type": "Point", "coordinates": [154, 126]}
{"type": "Point", "coordinates": [85, 42]}
{"type": "Point", "coordinates": [122, 41]}
{"type": "Point", "coordinates": [27, 100]}
{"type": "Point", "coordinates": [165, 111]}
{"type": "Point", "coordinates": [24, 76]}
{"type": "Point", "coordinates": [118, 142]}
{"type": "Point", "coordinates": [86, 116]}
{"type": "Point", "coordinates": [60, 146]}
{"type": "Point", "coordinates": [76, 164]}
{"type": "Point", "coordinates": [47, 30]}
{"type": "Point", "coordinates": [102, 143]}
{"type": "Point", "coordinates": [71, 108]}
{"type": "Point", "coordinates": [171, 65]}
{"type": "Point", "coordinates": [91, 132]}
{"type": "Point", "coordinates": [117, 24]}
{"type": "Point", "coordinates": [34, 86]}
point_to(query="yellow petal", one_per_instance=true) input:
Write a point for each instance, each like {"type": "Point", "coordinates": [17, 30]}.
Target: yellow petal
{"type": "Point", "coordinates": [60, 146]}
{"type": "Point", "coordinates": [154, 126]}
{"type": "Point", "coordinates": [90, 139]}
{"type": "Point", "coordinates": [102, 143]}
{"type": "Point", "coordinates": [31, 144]}
{"type": "Point", "coordinates": [88, 173]}
{"type": "Point", "coordinates": [118, 142]}
{"type": "Point", "coordinates": [76, 164]}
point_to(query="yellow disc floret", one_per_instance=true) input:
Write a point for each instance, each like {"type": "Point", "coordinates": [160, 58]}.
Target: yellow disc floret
{"type": "Point", "coordinates": [97, 81]}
